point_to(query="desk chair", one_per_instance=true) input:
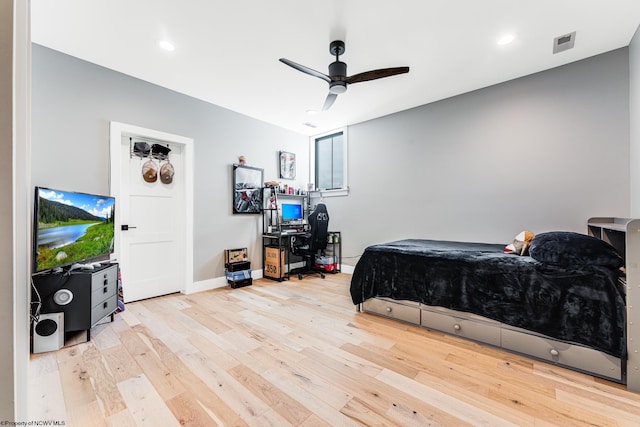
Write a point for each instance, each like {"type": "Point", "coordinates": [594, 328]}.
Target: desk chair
{"type": "Point", "coordinates": [314, 242]}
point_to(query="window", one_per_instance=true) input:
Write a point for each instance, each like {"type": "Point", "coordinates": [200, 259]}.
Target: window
{"type": "Point", "coordinates": [330, 160]}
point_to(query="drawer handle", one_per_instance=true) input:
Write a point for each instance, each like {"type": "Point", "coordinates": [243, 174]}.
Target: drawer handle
{"type": "Point", "coordinates": [388, 309]}
{"type": "Point", "coordinates": [104, 305]}
{"type": "Point", "coordinates": [554, 352]}
{"type": "Point", "coordinates": [105, 282]}
{"type": "Point", "coordinates": [457, 327]}
{"type": "Point", "coordinates": [105, 289]}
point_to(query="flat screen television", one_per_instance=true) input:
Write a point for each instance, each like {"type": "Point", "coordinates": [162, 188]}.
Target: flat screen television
{"type": "Point", "coordinates": [292, 212]}
{"type": "Point", "coordinates": [71, 227]}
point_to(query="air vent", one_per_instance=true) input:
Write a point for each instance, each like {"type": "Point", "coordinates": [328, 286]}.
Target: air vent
{"type": "Point", "coordinates": [565, 42]}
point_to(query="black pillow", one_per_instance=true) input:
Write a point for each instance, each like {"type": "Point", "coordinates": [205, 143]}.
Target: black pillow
{"type": "Point", "coordinates": [566, 248]}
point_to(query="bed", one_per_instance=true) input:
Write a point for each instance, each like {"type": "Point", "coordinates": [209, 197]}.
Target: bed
{"type": "Point", "coordinates": [563, 303]}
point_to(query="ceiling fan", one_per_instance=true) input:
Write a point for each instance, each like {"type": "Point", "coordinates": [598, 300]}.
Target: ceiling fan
{"type": "Point", "coordinates": [337, 78]}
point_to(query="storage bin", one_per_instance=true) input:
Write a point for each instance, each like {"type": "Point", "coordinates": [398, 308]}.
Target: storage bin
{"type": "Point", "coordinates": [234, 276]}
{"type": "Point", "coordinates": [239, 266]}
{"type": "Point", "coordinates": [326, 263]}
{"type": "Point", "coordinates": [327, 267]}
{"type": "Point", "coordinates": [240, 283]}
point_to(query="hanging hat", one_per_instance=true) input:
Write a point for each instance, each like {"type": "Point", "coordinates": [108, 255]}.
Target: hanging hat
{"type": "Point", "coordinates": [149, 171]}
{"type": "Point", "coordinates": [160, 152]}
{"type": "Point", "coordinates": [166, 173]}
{"type": "Point", "coordinates": [141, 149]}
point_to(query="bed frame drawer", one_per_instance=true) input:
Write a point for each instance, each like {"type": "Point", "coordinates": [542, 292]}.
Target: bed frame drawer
{"type": "Point", "coordinates": [575, 356]}
{"type": "Point", "coordinates": [472, 327]}
{"type": "Point", "coordinates": [407, 311]}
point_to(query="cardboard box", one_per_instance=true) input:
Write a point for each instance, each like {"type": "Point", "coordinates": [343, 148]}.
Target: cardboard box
{"type": "Point", "coordinates": [235, 255]}
{"type": "Point", "coordinates": [274, 262]}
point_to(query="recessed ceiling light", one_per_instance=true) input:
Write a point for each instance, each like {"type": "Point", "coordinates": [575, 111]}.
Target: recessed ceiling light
{"type": "Point", "coordinates": [506, 39]}
{"type": "Point", "coordinates": [312, 112]}
{"type": "Point", "coordinates": [166, 45]}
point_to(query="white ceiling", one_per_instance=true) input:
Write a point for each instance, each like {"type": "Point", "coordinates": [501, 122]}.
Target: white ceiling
{"type": "Point", "coordinates": [226, 52]}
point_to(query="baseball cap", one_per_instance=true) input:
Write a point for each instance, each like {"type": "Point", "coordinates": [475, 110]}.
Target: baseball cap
{"type": "Point", "coordinates": [149, 171]}
{"type": "Point", "coordinates": [160, 152]}
{"type": "Point", "coordinates": [166, 173]}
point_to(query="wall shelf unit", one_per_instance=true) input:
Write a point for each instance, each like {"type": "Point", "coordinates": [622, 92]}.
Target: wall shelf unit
{"type": "Point", "coordinates": [624, 235]}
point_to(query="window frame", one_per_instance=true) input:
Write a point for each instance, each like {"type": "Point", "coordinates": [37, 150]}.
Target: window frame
{"type": "Point", "coordinates": [344, 190]}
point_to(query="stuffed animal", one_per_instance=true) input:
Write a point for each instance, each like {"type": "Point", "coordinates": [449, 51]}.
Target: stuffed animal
{"type": "Point", "coordinates": [521, 243]}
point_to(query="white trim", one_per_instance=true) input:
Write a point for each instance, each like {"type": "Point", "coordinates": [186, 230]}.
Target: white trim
{"type": "Point", "coordinates": [334, 193]}
{"type": "Point", "coordinates": [347, 269]}
{"type": "Point", "coordinates": [218, 282]}
{"type": "Point", "coordinates": [22, 204]}
{"type": "Point", "coordinates": [207, 285]}
{"type": "Point", "coordinates": [117, 131]}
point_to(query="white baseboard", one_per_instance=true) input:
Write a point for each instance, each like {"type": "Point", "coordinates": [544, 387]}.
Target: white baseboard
{"type": "Point", "coordinates": [215, 283]}
{"type": "Point", "coordinates": [347, 269]}
{"type": "Point", "coordinates": [206, 285]}
{"type": "Point", "coordinates": [221, 282]}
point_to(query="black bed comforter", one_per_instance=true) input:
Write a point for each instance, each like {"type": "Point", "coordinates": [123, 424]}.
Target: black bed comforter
{"type": "Point", "coordinates": [578, 304]}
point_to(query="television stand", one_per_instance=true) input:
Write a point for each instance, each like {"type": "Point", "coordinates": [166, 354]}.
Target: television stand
{"type": "Point", "coordinates": [84, 296]}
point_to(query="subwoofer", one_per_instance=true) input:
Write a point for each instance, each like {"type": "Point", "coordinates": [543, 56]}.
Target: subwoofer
{"type": "Point", "coordinates": [48, 332]}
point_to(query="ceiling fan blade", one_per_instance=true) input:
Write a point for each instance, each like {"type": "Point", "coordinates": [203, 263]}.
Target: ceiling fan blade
{"type": "Point", "coordinates": [376, 74]}
{"type": "Point", "coordinates": [331, 98]}
{"type": "Point", "coordinates": [306, 70]}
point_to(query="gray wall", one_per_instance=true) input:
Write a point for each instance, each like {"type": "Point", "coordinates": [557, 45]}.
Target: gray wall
{"type": "Point", "coordinates": [73, 103]}
{"type": "Point", "coordinates": [543, 152]}
{"type": "Point", "coordinates": [634, 114]}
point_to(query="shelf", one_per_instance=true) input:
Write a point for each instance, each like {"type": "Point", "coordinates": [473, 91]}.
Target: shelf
{"type": "Point", "coordinates": [609, 226]}
{"type": "Point", "coordinates": [624, 235]}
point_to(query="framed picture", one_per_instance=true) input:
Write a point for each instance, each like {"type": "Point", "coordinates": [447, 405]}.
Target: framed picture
{"type": "Point", "coordinates": [247, 190]}
{"type": "Point", "coordinates": [287, 165]}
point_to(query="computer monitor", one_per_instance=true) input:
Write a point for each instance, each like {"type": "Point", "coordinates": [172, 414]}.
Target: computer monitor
{"type": "Point", "coordinates": [292, 212]}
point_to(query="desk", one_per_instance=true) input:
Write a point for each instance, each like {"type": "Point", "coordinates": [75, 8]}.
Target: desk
{"type": "Point", "coordinates": [276, 253]}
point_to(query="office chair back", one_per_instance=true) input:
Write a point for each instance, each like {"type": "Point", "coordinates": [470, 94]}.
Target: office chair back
{"type": "Point", "coordinates": [319, 224]}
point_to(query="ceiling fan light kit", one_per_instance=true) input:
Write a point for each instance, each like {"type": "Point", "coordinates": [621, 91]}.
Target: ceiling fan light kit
{"type": "Point", "coordinates": [337, 78]}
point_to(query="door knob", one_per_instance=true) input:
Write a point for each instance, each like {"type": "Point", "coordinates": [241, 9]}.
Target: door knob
{"type": "Point", "coordinates": [125, 227]}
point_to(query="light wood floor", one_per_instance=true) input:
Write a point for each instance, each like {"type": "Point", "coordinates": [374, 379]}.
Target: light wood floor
{"type": "Point", "coordinates": [297, 353]}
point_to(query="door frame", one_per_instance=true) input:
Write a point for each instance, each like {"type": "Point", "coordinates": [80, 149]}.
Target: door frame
{"type": "Point", "coordinates": [119, 130]}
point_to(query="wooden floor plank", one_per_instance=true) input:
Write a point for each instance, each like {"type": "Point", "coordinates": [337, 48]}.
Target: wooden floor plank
{"type": "Point", "coordinates": [103, 382]}
{"type": "Point", "coordinates": [283, 404]}
{"type": "Point", "coordinates": [217, 409]}
{"type": "Point", "coordinates": [379, 395]}
{"type": "Point", "coordinates": [298, 353]}
{"type": "Point", "coordinates": [145, 404]}
{"type": "Point", "coordinates": [188, 411]}
{"type": "Point", "coordinates": [46, 400]}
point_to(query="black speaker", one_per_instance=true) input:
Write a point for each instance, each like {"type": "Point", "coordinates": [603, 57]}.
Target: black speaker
{"type": "Point", "coordinates": [63, 297]}
{"type": "Point", "coordinates": [66, 293]}
{"type": "Point", "coordinates": [48, 333]}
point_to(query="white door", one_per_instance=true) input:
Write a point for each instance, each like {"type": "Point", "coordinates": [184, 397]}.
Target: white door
{"type": "Point", "coordinates": [151, 242]}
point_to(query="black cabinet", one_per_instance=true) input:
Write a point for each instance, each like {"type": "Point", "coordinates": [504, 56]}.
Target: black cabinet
{"type": "Point", "coordinates": [84, 296]}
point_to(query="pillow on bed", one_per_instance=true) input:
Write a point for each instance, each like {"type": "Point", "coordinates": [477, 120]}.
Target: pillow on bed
{"type": "Point", "coordinates": [520, 245]}
{"type": "Point", "coordinates": [567, 248]}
